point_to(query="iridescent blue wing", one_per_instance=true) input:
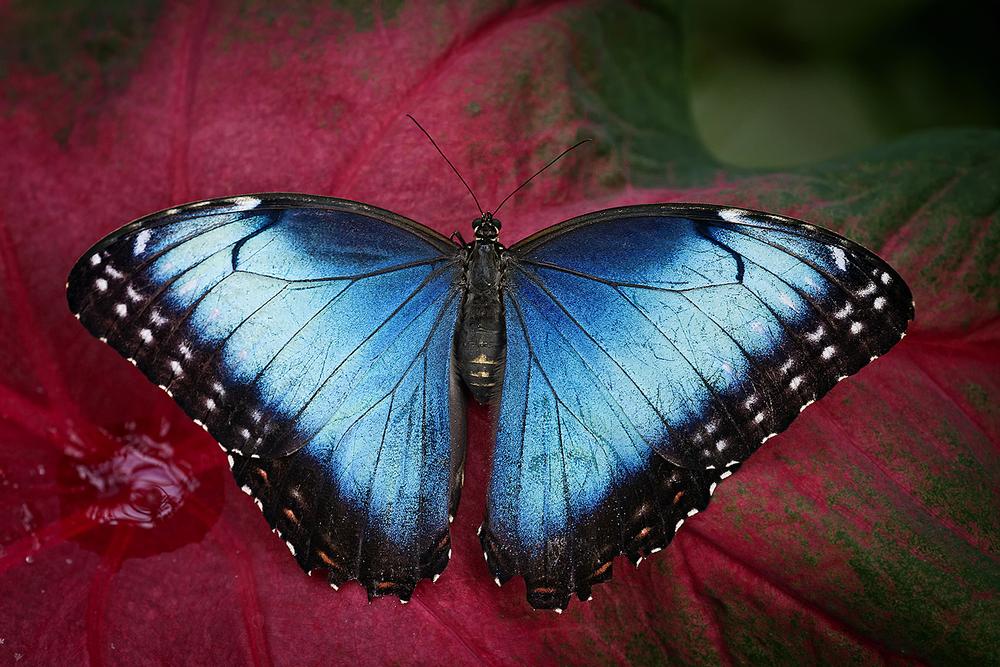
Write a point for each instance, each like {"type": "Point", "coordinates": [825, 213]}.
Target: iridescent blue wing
{"type": "Point", "coordinates": [312, 338]}
{"type": "Point", "coordinates": [650, 350]}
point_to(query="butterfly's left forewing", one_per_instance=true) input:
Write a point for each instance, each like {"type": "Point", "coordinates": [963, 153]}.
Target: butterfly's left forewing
{"type": "Point", "coordinates": [650, 350]}
{"type": "Point", "coordinates": [312, 338]}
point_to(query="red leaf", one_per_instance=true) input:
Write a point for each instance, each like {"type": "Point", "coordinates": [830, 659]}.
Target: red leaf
{"type": "Point", "coordinates": [867, 532]}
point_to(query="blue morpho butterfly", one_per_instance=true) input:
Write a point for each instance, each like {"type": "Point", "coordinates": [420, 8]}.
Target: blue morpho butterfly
{"type": "Point", "coordinates": [635, 356]}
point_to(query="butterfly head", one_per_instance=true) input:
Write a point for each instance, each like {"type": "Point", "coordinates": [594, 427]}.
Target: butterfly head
{"type": "Point", "coordinates": [486, 227]}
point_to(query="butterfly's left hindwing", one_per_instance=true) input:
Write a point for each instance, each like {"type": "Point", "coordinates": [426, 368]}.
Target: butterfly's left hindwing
{"type": "Point", "coordinates": [312, 338]}
{"type": "Point", "coordinates": [650, 350]}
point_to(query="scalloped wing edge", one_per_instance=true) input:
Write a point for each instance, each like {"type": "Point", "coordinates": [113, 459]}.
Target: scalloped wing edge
{"type": "Point", "coordinates": [642, 545]}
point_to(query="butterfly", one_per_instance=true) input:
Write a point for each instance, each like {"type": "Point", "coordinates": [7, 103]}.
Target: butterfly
{"type": "Point", "coordinates": [634, 358]}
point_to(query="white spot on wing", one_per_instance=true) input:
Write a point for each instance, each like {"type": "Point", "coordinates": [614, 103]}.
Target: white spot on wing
{"type": "Point", "coordinates": [101, 284]}
{"type": "Point", "coordinates": [735, 215]}
{"type": "Point", "coordinates": [886, 279]}
{"type": "Point", "coordinates": [828, 351]}
{"type": "Point", "coordinates": [95, 259]}
{"type": "Point", "coordinates": [839, 257]}
{"type": "Point", "coordinates": [245, 203]}
{"type": "Point", "coordinates": [816, 335]}
{"type": "Point", "coordinates": [879, 303]}
{"type": "Point", "coordinates": [146, 335]}
{"type": "Point", "coordinates": [121, 310]}
{"type": "Point", "coordinates": [856, 327]}
{"type": "Point", "coordinates": [141, 239]}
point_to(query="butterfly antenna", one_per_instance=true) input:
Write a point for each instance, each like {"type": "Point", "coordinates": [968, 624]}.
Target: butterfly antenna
{"type": "Point", "coordinates": [551, 162]}
{"type": "Point", "coordinates": [434, 144]}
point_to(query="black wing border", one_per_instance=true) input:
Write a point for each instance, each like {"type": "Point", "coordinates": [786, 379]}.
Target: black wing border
{"type": "Point", "coordinates": [709, 213]}
{"type": "Point", "coordinates": [270, 201]}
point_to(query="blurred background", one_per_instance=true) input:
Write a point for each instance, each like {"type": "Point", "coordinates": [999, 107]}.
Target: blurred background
{"type": "Point", "coordinates": [766, 74]}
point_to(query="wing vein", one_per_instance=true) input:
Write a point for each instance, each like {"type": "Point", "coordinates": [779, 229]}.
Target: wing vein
{"type": "Point", "coordinates": [352, 277]}
{"type": "Point", "coordinates": [216, 349]}
{"type": "Point", "coordinates": [536, 360]}
{"type": "Point", "coordinates": [614, 283]}
{"type": "Point", "coordinates": [711, 390]}
{"type": "Point", "coordinates": [163, 289]}
{"type": "Point", "coordinates": [447, 300]}
{"type": "Point", "coordinates": [597, 344]}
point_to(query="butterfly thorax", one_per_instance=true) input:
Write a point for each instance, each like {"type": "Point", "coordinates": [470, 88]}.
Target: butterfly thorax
{"type": "Point", "coordinates": [482, 340]}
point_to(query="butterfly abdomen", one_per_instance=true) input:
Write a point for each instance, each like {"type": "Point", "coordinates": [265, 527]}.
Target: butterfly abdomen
{"type": "Point", "coordinates": [482, 338]}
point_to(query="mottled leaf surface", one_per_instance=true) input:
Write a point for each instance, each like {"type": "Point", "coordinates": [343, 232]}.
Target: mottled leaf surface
{"type": "Point", "coordinates": [868, 532]}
